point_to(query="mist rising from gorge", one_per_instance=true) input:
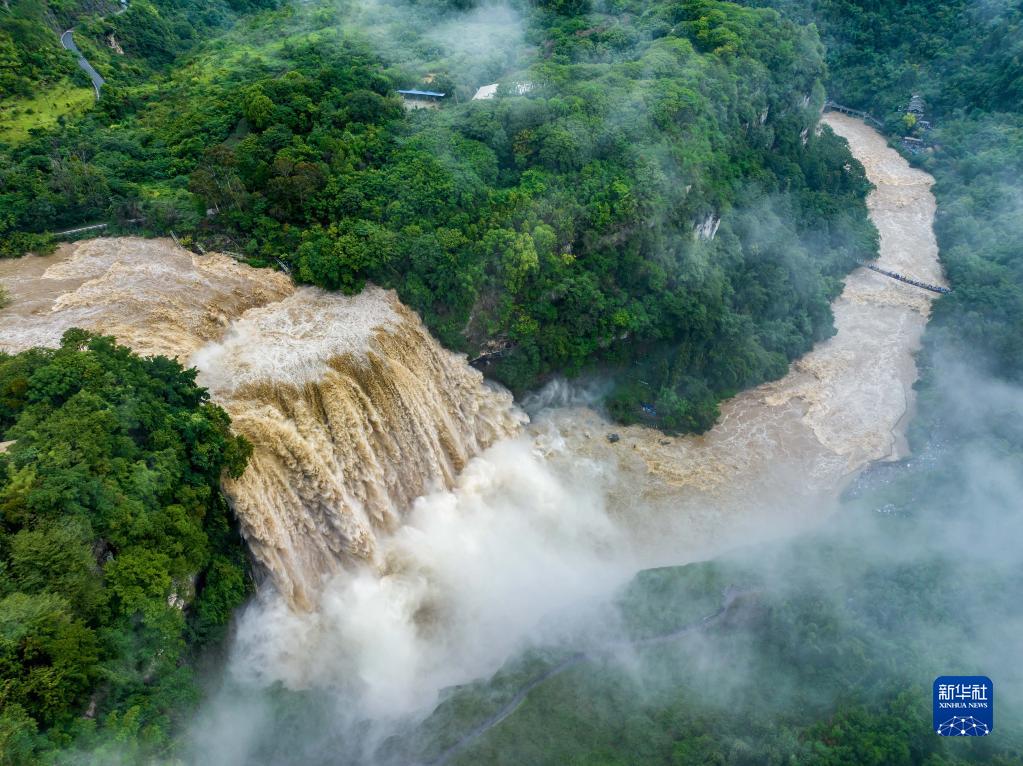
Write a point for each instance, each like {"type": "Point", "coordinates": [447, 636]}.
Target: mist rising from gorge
{"type": "Point", "coordinates": [539, 532]}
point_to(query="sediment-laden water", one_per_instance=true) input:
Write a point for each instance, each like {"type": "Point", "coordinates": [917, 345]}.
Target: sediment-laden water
{"type": "Point", "coordinates": [414, 534]}
{"type": "Point", "coordinates": [781, 452]}
{"type": "Point", "coordinates": [354, 410]}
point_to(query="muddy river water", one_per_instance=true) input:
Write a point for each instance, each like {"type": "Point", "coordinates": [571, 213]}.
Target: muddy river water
{"type": "Point", "coordinates": [413, 532]}
{"type": "Point", "coordinates": [782, 452]}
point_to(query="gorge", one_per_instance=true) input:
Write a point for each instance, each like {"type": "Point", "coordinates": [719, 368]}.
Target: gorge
{"type": "Point", "coordinates": [415, 532]}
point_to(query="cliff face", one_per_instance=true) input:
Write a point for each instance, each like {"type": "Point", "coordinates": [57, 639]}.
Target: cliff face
{"type": "Point", "coordinates": [354, 410]}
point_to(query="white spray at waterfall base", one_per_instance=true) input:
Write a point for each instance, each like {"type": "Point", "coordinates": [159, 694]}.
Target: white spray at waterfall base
{"type": "Point", "coordinates": [354, 411]}
{"type": "Point", "coordinates": [471, 572]}
{"type": "Point", "coordinates": [413, 536]}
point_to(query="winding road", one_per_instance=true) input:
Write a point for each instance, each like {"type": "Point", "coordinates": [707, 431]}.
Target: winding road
{"type": "Point", "coordinates": [67, 40]}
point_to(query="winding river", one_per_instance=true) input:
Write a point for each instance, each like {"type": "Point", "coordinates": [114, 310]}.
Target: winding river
{"type": "Point", "coordinates": [782, 452]}
{"type": "Point", "coordinates": [414, 530]}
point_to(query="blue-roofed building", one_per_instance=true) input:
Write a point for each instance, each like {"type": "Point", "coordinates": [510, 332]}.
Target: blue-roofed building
{"type": "Point", "coordinates": [421, 99]}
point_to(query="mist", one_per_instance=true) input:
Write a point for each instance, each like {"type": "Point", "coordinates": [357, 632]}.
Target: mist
{"type": "Point", "coordinates": [916, 574]}
{"type": "Point", "coordinates": [514, 555]}
{"type": "Point", "coordinates": [532, 556]}
{"type": "Point", "coordinates": [437, 46]}
{"type": "Point", "coordinates": [525, 558]}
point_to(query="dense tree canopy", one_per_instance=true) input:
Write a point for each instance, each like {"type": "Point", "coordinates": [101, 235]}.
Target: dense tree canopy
{"type": "Point", "coordinates": [123, 43]}
{"type": "Point", "coordinates": [655, 202]}
{"type": "Point", "coordinates": [118, 559]}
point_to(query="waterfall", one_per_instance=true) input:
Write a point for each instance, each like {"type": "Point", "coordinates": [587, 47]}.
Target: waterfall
{"type": "Point", "coordinates": [353, 409]}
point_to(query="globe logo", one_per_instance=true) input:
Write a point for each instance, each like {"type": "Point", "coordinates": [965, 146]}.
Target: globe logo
{"type": "Point", "coordinates": [963, 726]}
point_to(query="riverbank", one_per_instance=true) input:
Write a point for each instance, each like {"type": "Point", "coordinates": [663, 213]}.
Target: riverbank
{"type": "Point", "coordinates": [782, 452]}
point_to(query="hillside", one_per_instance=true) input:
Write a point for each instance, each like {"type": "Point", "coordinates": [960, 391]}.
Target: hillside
{"type": "Point", "coordinates": [119, 561]}
{"type": "Point", "coordinates": [40, 83]}
{"type": "Point", "coordinates": [829, 659]}
{"type": "Point", "coordinates": [656, 205]}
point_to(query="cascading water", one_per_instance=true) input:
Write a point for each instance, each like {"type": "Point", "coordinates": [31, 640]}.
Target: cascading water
{"type": "Point", "coordinates": [353, 409]}
{"type": "Point", "coordinates": [421, 546]}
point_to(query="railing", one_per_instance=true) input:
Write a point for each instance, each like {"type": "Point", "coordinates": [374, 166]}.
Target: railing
{"type": "Point", "coordinates": [866, 116]}
{"type": "Point", "coordinates": [907, 280]}
{"type": "Point", "coordinates": [80, 229]}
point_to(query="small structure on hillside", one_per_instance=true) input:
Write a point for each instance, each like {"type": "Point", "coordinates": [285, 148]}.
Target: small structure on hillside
{"type": "Point", "coordinates": [916, 125]}
{"type": "Point", "coordinates": [913, 145]}
{"type": "Point", "coordinates": [485, 92]}
{"type": "Point", "coordinates": [421, 99]}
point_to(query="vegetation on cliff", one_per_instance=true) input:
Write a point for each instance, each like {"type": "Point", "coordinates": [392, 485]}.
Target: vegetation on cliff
{"type": "Point", "coordinates": [119, 561]}
{"type": "Point", "coordinates": [655, 202]}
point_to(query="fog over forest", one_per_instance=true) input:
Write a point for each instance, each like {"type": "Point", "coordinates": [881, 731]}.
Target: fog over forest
{"type": "Point", "coordinates": [350, 414]}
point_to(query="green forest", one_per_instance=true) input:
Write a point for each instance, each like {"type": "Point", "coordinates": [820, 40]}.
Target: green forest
{"type": "Point", "coordinates": [149, 34]}
{"type": "Point", "coordinates": [558, 229]}
{"type": "Point", "coordinates": [119, 560]}
{"type": "Point", "coordinates": [559, 225]}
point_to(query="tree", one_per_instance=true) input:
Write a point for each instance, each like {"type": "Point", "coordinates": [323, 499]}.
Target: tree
{"type": "Point", "coordinates": [48, 658]}
{"type": "Point", "coordinates": [344, 256]}
{"type": "Point", "coordinates": [257, 108]}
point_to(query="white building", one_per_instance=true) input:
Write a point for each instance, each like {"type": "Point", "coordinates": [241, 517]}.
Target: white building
{"type": "Point", "coordinates": [485, 92]}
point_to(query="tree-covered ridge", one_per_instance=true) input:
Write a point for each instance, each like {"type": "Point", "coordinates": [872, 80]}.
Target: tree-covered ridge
{"type": "Point", "coordinates": [560, 224]}
{"type": "Point", "coordinates": [124, 42]}
{"type": "Point", "coordinates": [956, 54]}
{"type": "Point", "coordinates": [118, 557]}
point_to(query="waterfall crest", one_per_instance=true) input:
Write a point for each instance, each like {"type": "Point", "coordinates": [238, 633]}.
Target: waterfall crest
{"type": "Point", "coordinates": [360, 413]}
{"type": "Point", "coordinates": [353, 409]}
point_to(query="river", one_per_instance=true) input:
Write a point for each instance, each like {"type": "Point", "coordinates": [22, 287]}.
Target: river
{"type": "Point", "coordinates": [782, 452]}
{"type": "Point", "coordinates": [414, 531]}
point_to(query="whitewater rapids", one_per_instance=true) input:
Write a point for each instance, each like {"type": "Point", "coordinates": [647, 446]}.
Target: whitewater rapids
{"type": "Point", "coordinates": [415, 533]}
{"type": "Point", "coordinates": [353, 409]}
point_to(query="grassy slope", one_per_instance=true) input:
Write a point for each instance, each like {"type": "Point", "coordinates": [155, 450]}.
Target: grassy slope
{"type": "Point", "coordinates": [19, 115]}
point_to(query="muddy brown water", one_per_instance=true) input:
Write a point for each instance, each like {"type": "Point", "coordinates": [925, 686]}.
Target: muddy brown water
{"type": "Point", "coordinates": [783, 451]}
